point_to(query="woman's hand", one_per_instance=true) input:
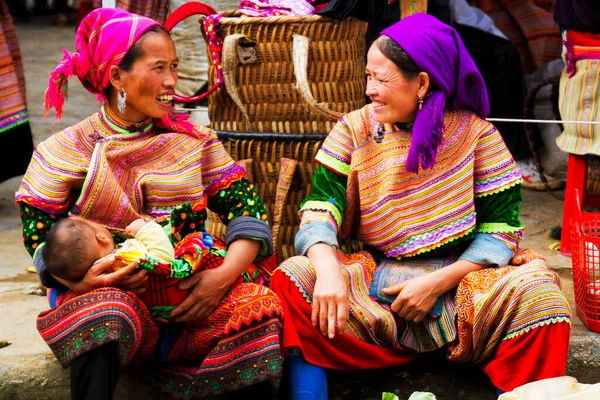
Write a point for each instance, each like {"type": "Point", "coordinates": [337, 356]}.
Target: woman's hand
{"type": "Point", "coordinates": [129, 278]}
{"type": "Point", "coordinates": [330, 297]}
{"type": "Point", "coordinates": [416, 297]}
{"type": "Point", "coordinates": [209, 287]}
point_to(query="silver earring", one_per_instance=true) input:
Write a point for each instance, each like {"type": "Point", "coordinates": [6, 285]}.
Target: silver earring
{"type": "Point", "coordinates": [121, 97]}
{"type": "Point", "coordinates": [378, 137]}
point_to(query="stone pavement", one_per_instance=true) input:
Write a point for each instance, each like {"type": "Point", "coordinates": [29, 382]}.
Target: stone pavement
{"type": "Point", "coordinates": [28, 370]}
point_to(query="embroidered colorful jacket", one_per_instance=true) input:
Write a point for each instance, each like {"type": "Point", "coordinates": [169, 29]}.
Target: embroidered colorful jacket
{"type": "Point", "coordinates": [362, 189]}
{"type": "Point", "coordinates": [112, 174]}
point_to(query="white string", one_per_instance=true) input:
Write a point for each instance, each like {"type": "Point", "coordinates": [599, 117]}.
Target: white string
{"type": "Point", "coordinates": [543, 121]}
{"type": "Point", "coordinates": [190, 109]}
{"type": "Point", "coordinates": [536, 121]}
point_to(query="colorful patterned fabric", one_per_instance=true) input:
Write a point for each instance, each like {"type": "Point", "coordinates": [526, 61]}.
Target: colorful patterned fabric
{"type": "Point", "coordinates": [214, 42]}
{"type": "Point", "coordinates": [410, 7]}
{"type": "Point", "coordinates": [371, 320]}
{"type": "Point", "coordinates": [268, 8]}
{"type": "Point", "coordinates": [435, 207]}
{"type": "Point", "coordinates": [529, 24]}
{"type": "Point", "coordinates": [113, 179]}
{"type": "Point", "coordinates": [579, 94]}
{"type": "Point", "coordinates": [192, 254]}
{"type": "Point", "coordinates": [524, 298]}
{"type": "Point", "coordinates": [491, 307]}
{"type": "Point", "coordinates": [155, 9]}
{"type": "Point", "coordinates": [238, 345]}
{"type": "Point", "coordinates": [15, 132]}
{"type": "Point", "coordinates": [13, 110]}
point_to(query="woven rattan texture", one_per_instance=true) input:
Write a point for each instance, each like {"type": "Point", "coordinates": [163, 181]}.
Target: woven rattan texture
{"type": "Point", "coordinates": [336, 62]}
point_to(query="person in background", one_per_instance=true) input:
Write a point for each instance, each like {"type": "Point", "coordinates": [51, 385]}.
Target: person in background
{"type": "Point", "coordinates": [15, 132]}
{"type": "Point", "coordinates": [579, 96]}
{"type": "Point", "coordinates": [137, 157]}
{"type": "Point", "coordinates": [418, 175]}
{"type": "Point", "coordinates": [153, 9]}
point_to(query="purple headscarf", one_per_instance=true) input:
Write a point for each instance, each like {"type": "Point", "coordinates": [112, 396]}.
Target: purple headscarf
{"type": "Point", "coordinates": [437, 49]}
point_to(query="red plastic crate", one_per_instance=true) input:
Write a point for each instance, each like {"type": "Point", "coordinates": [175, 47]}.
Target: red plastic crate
{"type": "Point", "coordinates": [585, 254]}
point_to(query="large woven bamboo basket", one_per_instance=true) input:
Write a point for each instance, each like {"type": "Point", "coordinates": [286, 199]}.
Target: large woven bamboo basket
{"type": "Point", "coordinates": [282, 168]}
{"type": "Point", "coordinates": [306, 73]}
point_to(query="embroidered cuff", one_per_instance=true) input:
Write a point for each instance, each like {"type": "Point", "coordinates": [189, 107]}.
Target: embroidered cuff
{"type": "Point", "coordinates": [40, 266]}
{"type": "Point", "coordinates": [313, 233]}
{"type": "Point", "coordinates": [487, 250]}
{"type": "Point", "coordinates": [250, 228]}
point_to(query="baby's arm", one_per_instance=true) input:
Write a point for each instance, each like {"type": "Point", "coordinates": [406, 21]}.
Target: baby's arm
{"type": "Point", "coordinates": [133, 228]}
{"type": "Point", "coordinates": [156, 241]}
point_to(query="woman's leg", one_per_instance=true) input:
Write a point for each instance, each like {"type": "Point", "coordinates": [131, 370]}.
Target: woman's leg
{"type": "Point", "coordinates": [94, 375]}
{"type": "Point", "coordinates": [236, 347]}
{"type": "Point", "coordinates": [515, 321]}
{"type": "Point", "coordinates": [538, 354]}
{"type": "Point", "coordinates": [308, 351]}
{"type": "Point", "coordinates": [94, 334]}
{"type": "Point", "coordinates": [306, 381]}
{"type": "Point", "coordinates": [347, 351]}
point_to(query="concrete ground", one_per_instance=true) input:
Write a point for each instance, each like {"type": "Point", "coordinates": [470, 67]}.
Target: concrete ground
{"type": "Point", "coordinates": [28, 370]}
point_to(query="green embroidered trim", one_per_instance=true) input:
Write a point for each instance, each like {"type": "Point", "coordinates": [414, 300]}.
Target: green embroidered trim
{"type": "Point", "coordinates": [148, 263]}
{"type": "Point", "coordinates": [323, 206]}
{"type": "Point", "coordinates": [546, 322]}
{"type": "Point", "coordinates": [180, 268]}
{"type": "Point", "coordinates": [327, 161]}
{"type": "Point", "coordinates": [161, 311]}
{"type": "Point", "coordinates": [14, 125]}
{"type": "Point", "coordinates": [493, 227]}
{"type": "Point", "coordinates": [501, 189]}
{"type": "Point", "coordinates": [122, 131]}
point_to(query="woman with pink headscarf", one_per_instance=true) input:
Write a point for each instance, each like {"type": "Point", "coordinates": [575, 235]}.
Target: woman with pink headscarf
{"type": "Point", "coordinates": [137, 158]}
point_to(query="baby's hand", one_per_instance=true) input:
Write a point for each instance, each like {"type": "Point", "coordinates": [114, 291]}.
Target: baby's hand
{"type": "Point", "coordinates": [135, 226]}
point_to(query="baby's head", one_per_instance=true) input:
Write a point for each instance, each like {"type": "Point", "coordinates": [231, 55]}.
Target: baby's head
{"type": "Point", "coordinates": [73, 244]}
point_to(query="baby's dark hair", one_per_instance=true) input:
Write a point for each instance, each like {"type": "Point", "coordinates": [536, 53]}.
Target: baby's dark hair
{"type": "Point", "coordinates": [67, 252]}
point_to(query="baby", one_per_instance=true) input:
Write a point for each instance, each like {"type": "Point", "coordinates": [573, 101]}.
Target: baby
{"type": "Point", "coordinates": [74, 244]}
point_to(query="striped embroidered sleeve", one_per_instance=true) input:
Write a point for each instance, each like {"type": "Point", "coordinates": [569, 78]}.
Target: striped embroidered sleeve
{"type": "Point", "coordinates": [497, 191]}
{"type": "Point", "coordinates": [58, 164]}
{"type": "Point", "coordinates": [321, 212]}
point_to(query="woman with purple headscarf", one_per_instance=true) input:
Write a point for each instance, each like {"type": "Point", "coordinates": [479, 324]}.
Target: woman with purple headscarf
{"type": "Point", "coordinates": [432, 193]}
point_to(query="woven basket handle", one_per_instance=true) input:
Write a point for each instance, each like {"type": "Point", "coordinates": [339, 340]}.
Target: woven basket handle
{"type": "Point", "coordinates": [182, 12]}
{"type": "Point", "coordinates": [230, 63]}
{"type": "Point", "coordinates": [300, 58]}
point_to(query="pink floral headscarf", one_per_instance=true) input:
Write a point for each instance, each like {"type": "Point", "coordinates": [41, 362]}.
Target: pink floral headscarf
{"type": "Point", "coordinates": [102, 40]}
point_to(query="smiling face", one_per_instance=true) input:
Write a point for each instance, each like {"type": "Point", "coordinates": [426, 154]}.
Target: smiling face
{"type": "Point", "coordinates": [150, 81]}
{"type": "Point", "coordinates": [394, 97]}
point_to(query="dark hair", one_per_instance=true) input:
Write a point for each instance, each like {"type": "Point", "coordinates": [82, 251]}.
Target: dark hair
{"type": "Point", "coordinates": [135, 51]}
{"type": "Point", "coordinates": [67, 253]}
{"type": "Point", "coordinates": [397, 55]}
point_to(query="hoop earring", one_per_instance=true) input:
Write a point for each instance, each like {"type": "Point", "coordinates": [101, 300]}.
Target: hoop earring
{"type": "Point", "coordinates": [121, 97]}
{"type": "Point", "coordinates": [420, 101]}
